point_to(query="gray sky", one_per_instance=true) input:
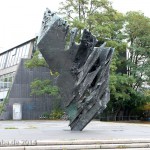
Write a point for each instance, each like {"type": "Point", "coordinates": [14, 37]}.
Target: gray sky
{"type": "Point", "coordinates": [20, 20]}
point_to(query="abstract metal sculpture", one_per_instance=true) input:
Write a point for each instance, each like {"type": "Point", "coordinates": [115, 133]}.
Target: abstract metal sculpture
{"type": "Point", "coordinates": [83, 68]}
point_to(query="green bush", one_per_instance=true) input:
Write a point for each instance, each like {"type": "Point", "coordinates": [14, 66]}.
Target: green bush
{"type": "Point", "coordinates": [46, 115]}
{"type": "Point", "coordinates": [56, 114]}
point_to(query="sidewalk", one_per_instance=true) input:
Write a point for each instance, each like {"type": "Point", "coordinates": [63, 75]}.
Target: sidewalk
{"type": "Point", "coordinates": [59, 130]}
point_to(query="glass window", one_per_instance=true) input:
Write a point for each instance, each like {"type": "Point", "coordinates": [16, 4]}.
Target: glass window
{"type": "Point", "coordinates": [17, 56]}
{"type": "Point", "coordinates": [13, 56]}
{"type": "Point", "coordinates": [8, 59]}
{"type": "Point", "coordinates": [20, 52]}
{"type": "Point", "coordinates": [14, 52]}
{"type": "Point", "coordinates": [27, 50]}
{"type": "Point", "coordinates": [0, 62]}
{"type": "Point", "coordinates": [6, 80]}
{"type": "Point", "coordinates": [23, 51]}
{"type": "Point", "coordinates": [12, 60]}
{"type": "Point", "coordinates": [3, 60]}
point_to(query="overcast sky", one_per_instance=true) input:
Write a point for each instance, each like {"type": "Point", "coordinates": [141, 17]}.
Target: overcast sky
{"type": "Point", "coordinates": [20, 20]}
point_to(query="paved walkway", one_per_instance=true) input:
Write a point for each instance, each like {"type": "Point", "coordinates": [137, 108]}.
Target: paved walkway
{"type": "Point", "coordinates": [59, 130]}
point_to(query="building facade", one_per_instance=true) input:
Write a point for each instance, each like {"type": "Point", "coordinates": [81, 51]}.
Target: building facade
{"type": "Point", "coordinates": [15, 80]}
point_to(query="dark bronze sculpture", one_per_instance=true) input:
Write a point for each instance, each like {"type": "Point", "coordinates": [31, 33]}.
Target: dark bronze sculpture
{"type": "Point", "coordinates": [83, 68]}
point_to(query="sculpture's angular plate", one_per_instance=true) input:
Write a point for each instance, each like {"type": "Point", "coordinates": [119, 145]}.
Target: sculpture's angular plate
{"type": "Point", "coordinates": [83, 68]}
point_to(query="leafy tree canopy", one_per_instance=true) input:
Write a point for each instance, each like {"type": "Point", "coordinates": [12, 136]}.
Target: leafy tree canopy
{"type": "Point", "coordinates": [41, 87]}
{"type": "Point", "coordinates": [126, 33]}
{"type": "Point", "coordinates": [36, 61]}
{"type": "Point", "coordinates": [138, 37]}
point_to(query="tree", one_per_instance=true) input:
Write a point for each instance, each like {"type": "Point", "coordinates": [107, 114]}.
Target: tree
{"type": "Point", "coordinates": [138, 36]}
{"type": "Point", "coordinates": [41, 87]}
{"type": "Point", "coordinates": [36, 61]}
{"type": "Point", "coordinates": [120, 32]}
{"type": "Point", "coordinates": [97, 16]}
{"type": "Point", "coordinates": [130, 88]}
{"type": "Point", "coordinates": [45, 87]}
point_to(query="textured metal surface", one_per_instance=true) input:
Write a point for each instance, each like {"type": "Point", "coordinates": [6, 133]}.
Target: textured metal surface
{"type": "Point", "coordinates": [83, 68]}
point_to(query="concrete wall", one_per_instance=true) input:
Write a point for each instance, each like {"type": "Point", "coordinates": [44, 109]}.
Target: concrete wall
{"type": "Point", "coordinates": [32, 106]}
